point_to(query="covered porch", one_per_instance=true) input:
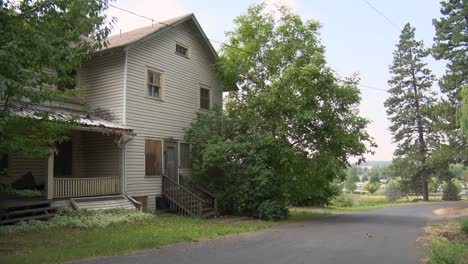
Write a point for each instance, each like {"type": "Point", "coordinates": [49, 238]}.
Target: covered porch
{"type": "Point", "coordinates": [90, 163]}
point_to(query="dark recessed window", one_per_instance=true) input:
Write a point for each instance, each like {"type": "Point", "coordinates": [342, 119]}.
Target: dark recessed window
{"type": "Point", "coordinates": [205, 98]}
{"type": "Point", "coordinates": [181, 50]}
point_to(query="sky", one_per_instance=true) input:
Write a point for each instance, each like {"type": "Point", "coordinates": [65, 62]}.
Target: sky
{"type": "Point", "coordinates": [357, 39]}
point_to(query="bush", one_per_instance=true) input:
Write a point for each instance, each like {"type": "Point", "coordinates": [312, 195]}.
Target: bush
{"type": "Point", "coordinates": [392, 191]}
{"type": "Point", "coordinates": [450, 192]}
{"type": "Point", "coordinates": [371, 187]}
{"type": "Point", "coordinates": [320, 198]}
{"type": "Point", "coordinates": [343, 200]}
{"type": "Point", "coordinates": [464, 225]}
{"type": "Point", "coordinates": [79, 219]}
{"type": "Point", "coordinates": [273, 210]}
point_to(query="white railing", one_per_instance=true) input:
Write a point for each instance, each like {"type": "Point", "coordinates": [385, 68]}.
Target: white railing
{"type": "Point", "coordinates": [77, 187]}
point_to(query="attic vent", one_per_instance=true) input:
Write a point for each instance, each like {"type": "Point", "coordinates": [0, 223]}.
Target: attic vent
{"type": "Point", "coordinates": [181, 50]}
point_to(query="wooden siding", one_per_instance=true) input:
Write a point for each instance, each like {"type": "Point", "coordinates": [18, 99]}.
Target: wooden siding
{"type": "Point", "coordinates": [18, 166]}
{"type": "Point", "coordinates": [102, 80]}
{"type": "Point", "coordinates": [100, 155]}
{"type": "Point", "coordinates": [166, 118]}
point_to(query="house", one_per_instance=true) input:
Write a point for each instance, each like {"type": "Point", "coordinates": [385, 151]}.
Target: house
{"type": "Point", "coordinates": [145, 88]}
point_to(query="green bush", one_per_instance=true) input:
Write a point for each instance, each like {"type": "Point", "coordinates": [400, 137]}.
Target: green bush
{"type": "Point", "coordinates": [442, 252]}
{"type": "Point", "coordinates": [371, 187]}
{"type": "Point", "coordinates": [450, 192]}
{"type": "Point", "coordinates": [464, 225]}
{"type": "Point", "coordinates": [343, 200]}
{"type": "Point", "coordinates": [320, 198]}
{"type": "Point", "coordinates": [392, 191]}
{"type": "Point", "coordinates": [79, 219]}
{"type": "Point", "coordinates": [272, 210]}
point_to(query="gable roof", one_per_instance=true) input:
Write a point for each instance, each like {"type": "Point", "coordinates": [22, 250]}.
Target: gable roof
{"type": "Point", "coordinates": [130, 37]}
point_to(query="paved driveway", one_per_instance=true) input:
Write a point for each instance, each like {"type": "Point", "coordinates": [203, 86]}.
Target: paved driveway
{"type": "Point", "coordinates": [375, 237]}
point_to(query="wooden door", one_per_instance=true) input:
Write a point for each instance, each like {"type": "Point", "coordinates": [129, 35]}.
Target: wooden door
{"type": "Point", "coordinates": [170, 152]}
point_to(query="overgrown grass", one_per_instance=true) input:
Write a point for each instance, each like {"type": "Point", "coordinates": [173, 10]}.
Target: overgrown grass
{"type": "Point", "coordinates": [448, 243]}
{"type": "Point", "coordinates": [464, 225]}
{"type": "Point", "coordinates": [71, 243]}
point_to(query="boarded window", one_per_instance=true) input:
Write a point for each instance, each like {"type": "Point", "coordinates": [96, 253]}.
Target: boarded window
{"type": "Point", "coordinates": [63, 160]}
{"type": "Point", "coordinates": [153, 157]}
{"type": "Point", "coordinates": [181, 50]}
{"type": "Point", "coordinates": [154, 84]}
{"type": "Point", "coordinates": [205, 99]}
{"type": "Point", "coordinates": [185, 162]}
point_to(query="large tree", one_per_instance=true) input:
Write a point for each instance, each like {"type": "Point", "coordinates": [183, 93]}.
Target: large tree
{"type": "Point", "coordinates": [289, 125]}
{"type": "Point", "coordinates": [41, 47]}
{"type": "Point", "coordinates": [410, 103]}
{"type": "Point", "coordinates": [450, 44]}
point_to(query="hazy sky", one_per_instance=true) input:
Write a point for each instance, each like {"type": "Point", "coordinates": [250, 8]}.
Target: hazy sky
{"type": "Point", "coordinates": [356, 37]}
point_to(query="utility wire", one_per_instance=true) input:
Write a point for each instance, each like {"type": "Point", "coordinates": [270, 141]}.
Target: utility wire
{"type": "Point", "coordinates": [382, 15]}
{"type": "Point", "coordinates": [222, 43]}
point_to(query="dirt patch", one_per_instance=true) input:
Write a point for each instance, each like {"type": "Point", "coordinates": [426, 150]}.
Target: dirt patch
{"type": "Point", "coordinates": [456, 210]}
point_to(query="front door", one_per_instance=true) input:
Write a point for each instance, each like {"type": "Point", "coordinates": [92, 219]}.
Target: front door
{"type": "Point", "coordinates": [170, 153]}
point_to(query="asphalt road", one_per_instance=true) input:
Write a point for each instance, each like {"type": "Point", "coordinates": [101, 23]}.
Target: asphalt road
{"type": "Point", "coordinates": [374, 237]}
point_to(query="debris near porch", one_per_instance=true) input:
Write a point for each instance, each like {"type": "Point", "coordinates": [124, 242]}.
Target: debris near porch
{"type": "Point", "coordinates": [14, 211]}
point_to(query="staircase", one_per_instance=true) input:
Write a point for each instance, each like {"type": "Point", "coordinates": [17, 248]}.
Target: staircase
{"type": "Point", "coordinates": [187, 200]}
{"type": "Point", "coordinates": [26, 210]}
{"type": "Point", "coordinates": [105, 202]}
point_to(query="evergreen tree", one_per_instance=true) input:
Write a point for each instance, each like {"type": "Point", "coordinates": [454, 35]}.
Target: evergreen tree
{"type": "Point", "coordinates": [410, 103]}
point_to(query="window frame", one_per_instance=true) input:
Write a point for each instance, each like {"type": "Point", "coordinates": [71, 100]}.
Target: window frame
{"type": "Point", "coordinates": [162, 157]}
{"type": "Point", "coordinates": [189, 155]}
{"type": "Point", "coordinates": [161, 83]}
{"type": "Point", "coordinates": [200, 98]}
{"type": "Point", "coordinates": [186, 55]}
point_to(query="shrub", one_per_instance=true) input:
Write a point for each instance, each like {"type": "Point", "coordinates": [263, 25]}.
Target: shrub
{"type": "Point", "coordinates": [464, 225]}
{"type": "Point", "coordinates": [320, 198]}
{"type": "Point", "coordinates": [450, 192]}
{"type": "Point", "coordinates": [371, 187]}
{"type": "Point", "coordinates": [343, 200]}
{"type": "Point", "coordinates": [392, 191]}
{"type": "Point", "coordinates": [79, 219]}
{"type": "Point", "coordinates": [273, 210]}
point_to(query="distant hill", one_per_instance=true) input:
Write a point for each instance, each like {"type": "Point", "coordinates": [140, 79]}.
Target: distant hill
{"type": "Point", "coordinates": [376, 163]}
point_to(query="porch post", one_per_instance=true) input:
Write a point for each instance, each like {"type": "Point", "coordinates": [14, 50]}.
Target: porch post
{"type": "Point", "coordinates": [50, 176]}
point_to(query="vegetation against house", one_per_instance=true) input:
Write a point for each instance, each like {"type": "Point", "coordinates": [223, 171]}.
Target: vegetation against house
{"type": "Point", "coordinates": [289, 126]}
{"type": "Point", "coordinates": [40, 48]}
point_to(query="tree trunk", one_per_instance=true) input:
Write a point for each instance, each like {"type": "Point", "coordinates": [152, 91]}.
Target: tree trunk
{"type": "Point", "coordinates": [422, 143]}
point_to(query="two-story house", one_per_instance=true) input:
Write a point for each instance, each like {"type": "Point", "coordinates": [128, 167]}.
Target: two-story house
{"type": "Point", "coordinates": [150, 83]}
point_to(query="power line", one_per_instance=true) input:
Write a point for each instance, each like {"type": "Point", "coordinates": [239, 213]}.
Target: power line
{"type": "Point", "coordinates": [222, 43]}
{"type": "Point", "coordinates": [382, 15]}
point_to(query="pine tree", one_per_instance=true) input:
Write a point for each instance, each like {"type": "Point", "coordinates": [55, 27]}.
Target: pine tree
{"type": "Point", "coordinates": [410, 102]}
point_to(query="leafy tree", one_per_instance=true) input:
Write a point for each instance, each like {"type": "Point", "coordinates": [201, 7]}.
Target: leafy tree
{"type": "Point", "coordinates": [40, 48]}
{"type": "Point", "coordinates": [450, 192]}
{"type": "Point", "coordinates": [375, 178]}
{"type": "Point", "coordinates": [371, 187]}
{"type": "Point", "coordinates": [392, 190]}
{"type": "Point", "coordinates": [289, 124]}
{"type": "Point", "coordinates": [350, 183]}
{"type": "Point", "coordinates": [410, 103]}
{"type": "Point", "coordinates": [434, 184]}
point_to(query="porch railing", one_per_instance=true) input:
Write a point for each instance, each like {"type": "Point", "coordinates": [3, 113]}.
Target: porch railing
{"type": "Point", "coordinates": [78, 187]}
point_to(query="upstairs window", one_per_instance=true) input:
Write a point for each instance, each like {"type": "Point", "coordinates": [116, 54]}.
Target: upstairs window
{"type": "Point", "coordinates": [154, 84]}
{"type": "Point", "coordinates": [181, 50]}
{"type": "Point", "coordinates": [205, 98]}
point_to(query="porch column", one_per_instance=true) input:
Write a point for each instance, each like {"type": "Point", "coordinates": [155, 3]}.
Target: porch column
{"type": "Point", "coordinates": [50, 176]}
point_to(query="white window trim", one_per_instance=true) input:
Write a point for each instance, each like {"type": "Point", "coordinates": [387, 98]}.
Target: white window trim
{"type": "Point", "coordinates": [199, 97]}
{"type": "Point", "coordinates": [161, 89]}
{"type": "Point", "coordinates": [144, 157]}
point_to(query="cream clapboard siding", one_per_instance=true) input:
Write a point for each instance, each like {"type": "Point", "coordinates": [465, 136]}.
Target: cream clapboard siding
{"type": "Point", "coordinates": [18, 166]}
{"type": "Point", "coordinates": [100, 155]}
{"type": "Point", "coordinates": [102, 81]}
{"type": "Point", "coordinates": [166, 118]}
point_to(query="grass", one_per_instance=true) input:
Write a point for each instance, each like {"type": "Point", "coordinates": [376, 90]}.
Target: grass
{"type": "Point", "coordinates": [447, 242]}
{"type": "Point", "coordinates": [63, 244]}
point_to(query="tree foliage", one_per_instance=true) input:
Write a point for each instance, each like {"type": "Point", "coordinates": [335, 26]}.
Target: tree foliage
{"type": "Point", "coordinates": [392, 190]}
{"type": "Point", "coordinates": [40, 48]}
{"type": "Point", "coordinates": [371, 187]}
{"type": "Point", "coordinates": [289, 124]}
{"type": "Point", "coordinates": [411, 103]}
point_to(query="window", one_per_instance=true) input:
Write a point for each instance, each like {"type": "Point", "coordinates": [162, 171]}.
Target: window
{"type": "Point", "coordinates": [205, 98]}
{"type": "Point", "coordinates": [153, 157]}
{"type": "Point", "coordinates": [185, 162]}
{"type": "Point", "coordinates": [181, 50]}
{"type": "Point", "coordinates": [63, 160]}
{"type": "Point", "coordinates": [154, 84]}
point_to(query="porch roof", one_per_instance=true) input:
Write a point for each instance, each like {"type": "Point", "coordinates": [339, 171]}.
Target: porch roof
{"type": "Point", "coordinates": [85, 120]}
